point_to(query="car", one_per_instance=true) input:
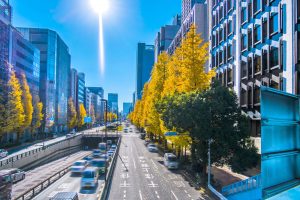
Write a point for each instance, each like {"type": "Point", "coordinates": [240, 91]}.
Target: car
{"type": "Point", "coordinates": [100, 164]}
{"type": "Point", "coordinates": [17, 175]}
{"type": "Point", "coordinates": [146, 142]}
{"type": "Point", "coordinates": [102, 146]}
{"type": "Point", "coordinates": [110, 153]}
{"type": "Point", "coordinates": [113, 147]}
{"type": "Point", "coordinates": [152, 147]}
{"type": "Point", "coordinates": [3, 153]}
{"type": "Point", "coordinates": [79, 166]}
{"type": "Point", "coordinates": [170, 161]}
{"type": "Point", "coordinates": [89, 177]}
{"type": "Point", "coordinates": [142, 136]}
{"type": "Point", "coordinates": [69, 135]}
{"type": "Point", "coordinates": [97, 153]}
{"type": "Point", "coordinates": [65, 196]}
{"type": "Point", "coordinates": [88, 159]}
{"type": "Point", "coordinates": [106, 156]}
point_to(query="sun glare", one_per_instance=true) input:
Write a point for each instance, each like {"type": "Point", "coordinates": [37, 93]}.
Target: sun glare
{"type": "Point", "coordinates": [100, 6]}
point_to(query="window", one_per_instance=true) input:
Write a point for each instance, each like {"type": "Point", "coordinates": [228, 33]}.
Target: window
{"type": "Point", "coordinates": [250, 97]}
{"type": "Point", "coordinates": [243, 97]}
{"type": "Point", "coordinates": [274, 59]}
{"type": "Point", "coordinates": [249, 62]}
{"type": "Point", "coordinates": [257, 64]}
{"type": "Point", "coordinates": [221, 12]}
{"type": "Point", "coordinates": [249, 39]}
{"type": "Point", "coordinates": [249, 11]}
{"type": "Point", "coordinates": [244, 41]}
{"type": "Point", "coordinates": [298, 11]}
{"type": "Point", "coordinates": [265, 60]}
{"type": "Point", "coordinates": [273, 23]}
{"type": "Point", "coordinates": [229, 75]}
{"type": "Point", "coordinates": [229, 5]}
{"type": "Point", "coordinates": [221, 35]}
{"type": "Point", "coordinates": [225, 31]}
{"type": "Point", "coordinates": [256, 95]}
{"type": "Point", "coordinates": [213, 61]}
{"type": "Point", "coordinates": [229, 51]}
{"type": "Point", "coordinates": [221, 56]}
{"type": "Point", "coordinates": [213, 40]}
{"type": "Point", "coordinates": [265, 29]}
{"type": "Point", "coordinates": [244, 69]}
{"type": "Point", "coordinates": [229, 27]}
{"type": "Point", "coordinates": [257, 34]}
{"type": "Point", "coordinates": [213, 20]}
{"type": "Point", "coordinates": [243, 15]}
{"type": "Point", "coordinates": [256, 5]}
{"type": "Point", "coordinates": [298, 49]}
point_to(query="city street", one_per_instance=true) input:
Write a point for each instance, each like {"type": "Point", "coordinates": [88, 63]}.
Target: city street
{"type": "Point", "coordinates": [147, 178]}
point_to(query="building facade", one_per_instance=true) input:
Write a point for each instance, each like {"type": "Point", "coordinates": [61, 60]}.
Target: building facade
{"type": "Point", "coordinates": [81, 88]}
{"type": "Point", "coordinates": [73, 86]}
{"type": "Point", "coordinates": [55, 64]}
{"type": "Point", "coordinates": [113, 102]}
{"type": "Point", "coordinates": [127, 108]}
{"type": "Point", "coordinates": [253, 44]}
{"type": "Point", "coordinates": [145, 62]}
{"type": "Point", "coordinates": [95, 96]}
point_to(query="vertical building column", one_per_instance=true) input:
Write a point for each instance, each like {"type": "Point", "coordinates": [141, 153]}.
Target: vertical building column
{"type": "Point", "coordinates": [237, 48]}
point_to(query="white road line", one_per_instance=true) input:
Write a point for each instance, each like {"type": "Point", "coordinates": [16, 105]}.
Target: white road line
{"type": "Point", "coordinates": [134, 163]}
{"type": "Point", "coordinates": [154, 164]}
{"type": "Point", "coordinates": [174, 195]}
{"type": "Point", "coordinates": [189, 195]}
{"type": "Point", "coordinates": [141, 197]}
{"type": "Point", "coordinates": [185, 191]}
{"type": "Point", "coordinates": [157, 194]}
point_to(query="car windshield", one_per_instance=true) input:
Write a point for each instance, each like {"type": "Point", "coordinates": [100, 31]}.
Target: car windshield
{"type": "Point", "coordinates": [152, 145]}
{"type": "Point", "coordinates": [172, 158]}
{"type": "Point", "coordinates": [78, 163]}
{"type": "Point", "coordinates": [96, 151]}
{"type": "Point", "coordinates": [88, 174]}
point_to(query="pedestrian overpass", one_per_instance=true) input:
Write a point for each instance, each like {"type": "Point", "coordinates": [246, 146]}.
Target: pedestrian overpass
{"type": "Point", "coordinates": [280, 151]}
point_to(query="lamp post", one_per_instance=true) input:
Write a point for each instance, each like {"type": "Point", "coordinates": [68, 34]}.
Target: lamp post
{"type": "Point", "coordinates": [104, 100]}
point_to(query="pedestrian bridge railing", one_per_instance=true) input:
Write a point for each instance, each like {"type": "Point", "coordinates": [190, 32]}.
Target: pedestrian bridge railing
{"type": "Point", "coordinates": [244, 185]}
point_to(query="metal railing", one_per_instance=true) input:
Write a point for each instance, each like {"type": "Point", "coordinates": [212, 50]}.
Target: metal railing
{"type": "Point", "coordinates": [33, 191]}
{"type": "Point", "coordinates": [20, 156]}
{"type": "Point", "coordinates": [244, 185]}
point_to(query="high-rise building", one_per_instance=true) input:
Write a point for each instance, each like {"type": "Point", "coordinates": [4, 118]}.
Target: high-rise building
{"type": "Point", "coordinates": [54, 75]}
{"type": "Point", "coordinates": [87, 100]}
{"type": "Point", "coordinates": [145, 61]}
{"type": "Point", "coordinates": [96, 94]}
{"type": "Point", "coordinates": [187, 6]}
{"type": "Point", "coordinates": [113, 102]}
{"type": "Point", "coordinates": [81, 88]}
{"type": "Point", "coordinates": [253, 43]}
{"type": "Point", "coordinates": [127, 108]}
{"type": "Point", "coordinates": [73, 86]}
{"type": "Point", "coordinates": [165, 36]}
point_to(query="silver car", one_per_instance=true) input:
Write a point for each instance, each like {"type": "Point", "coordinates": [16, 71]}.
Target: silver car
{"type": "Point", "coordinates": [3, 153]}
{"type": "Point", "coordinates": [17, 175]}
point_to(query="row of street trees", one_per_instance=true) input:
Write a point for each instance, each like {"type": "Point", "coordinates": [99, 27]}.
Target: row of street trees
{"type": "Point", "coordinates": [19, 110]}
{"type": "Point", "coordinates": [77, 119]}
{"type": "Point", "coordinates": [181, 97]}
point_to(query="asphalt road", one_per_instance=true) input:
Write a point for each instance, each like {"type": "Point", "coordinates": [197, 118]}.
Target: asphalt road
{"type": "Point", "coordinates": [147, 178]}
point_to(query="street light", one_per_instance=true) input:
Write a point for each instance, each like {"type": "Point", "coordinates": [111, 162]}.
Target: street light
{"type": "Point", "coordinates": [106, 104]}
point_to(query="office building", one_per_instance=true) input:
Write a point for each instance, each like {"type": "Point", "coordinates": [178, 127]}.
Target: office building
{"type": "Point", "coordinates": [113, 102]}
{"type": "Point", "coordinates": [145, 62]}
{"type": "Point", "coordinates": [73, 86]}
{"type": "Point", "coordinates": [54, 76]}
{"type": "Point", "coordinates": [187, 6]}
{"type": "Point", "coordinates": [96, 94]}
{"type": "Point", "coordinates": [127, 108]}
{"type": "Point", "coordinates": [81, 88]}
{"type": "Point", "coordinates": [87, 100]}
{"type": "Point", "coordinates": [165, 36]}
{"type": "Point", "coordinates": [255, 43]}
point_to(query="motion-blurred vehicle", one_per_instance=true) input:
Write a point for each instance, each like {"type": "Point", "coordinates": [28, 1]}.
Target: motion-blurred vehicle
{"type": "Point", "coordinates": [110, 153]}
{"type": "Point", "coordinates": [88, 158]}
{"type": "Point", "coordinates": [97, 153]}
{"type": "Point", "coordinates": [100, 164]}
{"type": "Point", "coordinates": [65, 196]}
{"type": "Point", "coordinates": [17, 175]}
{"type": "Point", "coordinates": [143, 136]}
{"type": "Point", "coordinates": [105, 156]}
{"type": "Point", "coordinates": [79, 166]}
{"type": "Point", "coordinates": [102, 147]}
{"type": "Point", "coordinates": [5, 184]}
{"type": "Point", "coordinates": [69, 135]}
{"type": "Point", "coordinates": [152, 147]}
{"type": "Point", "coordinates": [113, 147]}
{"type": "Point", "coordinates": [3, 153]}
{"type": "Point", "coordinates": [170, 161]}
{"type": "Point", "coordinates": [89, 177]}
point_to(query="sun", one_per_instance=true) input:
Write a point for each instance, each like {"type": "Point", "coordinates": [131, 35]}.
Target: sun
{"type": "Point", "coordinates": [100, 6]}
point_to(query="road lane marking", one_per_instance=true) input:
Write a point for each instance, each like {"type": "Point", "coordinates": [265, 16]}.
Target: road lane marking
{"type": "Point", "coordinates": [134, 164]}
{"type": "Point", "coordinates": [185, 191]}
{"type": "Point", "coordinates": [189, 195]}
{"type": "Point", "coordinates": [154, 164]}
{"type": "Point", "coordinates": [157, 194]}
{"type": "Point", "coordinates": [152, 184]}
{"type": "Point", "coordinates": [174, 195]}
{"type": "Point", "coordinates": [140, 192]}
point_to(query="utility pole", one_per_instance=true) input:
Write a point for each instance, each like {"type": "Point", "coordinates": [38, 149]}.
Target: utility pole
{"type": "Point", "coordinates": [209, 167]}
{"type": "Point", "coordinates": [104, 100]}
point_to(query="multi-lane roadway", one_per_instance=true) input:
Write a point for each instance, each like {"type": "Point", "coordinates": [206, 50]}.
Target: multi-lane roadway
{"type": "Point", "coordinates": [141, 175]}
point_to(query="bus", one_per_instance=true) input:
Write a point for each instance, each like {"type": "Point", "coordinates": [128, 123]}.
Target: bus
{"type": "Point", "coordinates": [5, 185]}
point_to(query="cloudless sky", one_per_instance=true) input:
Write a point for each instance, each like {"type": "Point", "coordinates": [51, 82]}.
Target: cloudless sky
{"type": "Point", "coordinates": [125, 24]}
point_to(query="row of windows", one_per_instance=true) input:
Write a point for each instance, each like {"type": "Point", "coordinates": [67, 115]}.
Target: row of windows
{"type": "Point", "coordinates": [260, 33]}
{"type": "Point", "coordinates": [260, 64]}
{"type": "Point", "coordinates": [222, 12]}
{"type": "Point", "coordinates": [223, 56]}
{"type": "Point", "coordinates": [21, 55]}
{"type": "Point", "coordinates": [22, 45]}
{"type": "Point", "coordinates": [226, 78]}
{"type": "Point", "coordinates": [222, 34]}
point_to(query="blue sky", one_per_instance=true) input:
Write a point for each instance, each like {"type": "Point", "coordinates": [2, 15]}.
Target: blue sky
{"type": "Point", "coordinates": [127, 23]}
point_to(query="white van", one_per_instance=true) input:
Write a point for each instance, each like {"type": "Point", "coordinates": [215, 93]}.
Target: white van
{"type": "Point", "coordinates": [170, 161]}
{"type": "Point", "coordinates": [90, 177]}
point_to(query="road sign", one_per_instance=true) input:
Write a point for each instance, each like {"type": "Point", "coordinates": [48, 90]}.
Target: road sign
{"type": "Point", "coordinates": [171, 133]}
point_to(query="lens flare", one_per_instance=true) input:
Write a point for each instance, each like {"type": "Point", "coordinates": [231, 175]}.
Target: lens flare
{"type": "Point", "coordinates": [101, 46]}
{"type": "Point", "coordinates": [100, 6]}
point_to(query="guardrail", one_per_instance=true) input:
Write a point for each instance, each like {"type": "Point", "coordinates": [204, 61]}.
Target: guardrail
{"type": "Point", "coordinates": [107, 185]}
{"type": "Point", "coordinates": [247, 184]}
{"type": "Point", "coordinates": [12, 159]}
{"type": "Point", "coordinates": [33, 191]}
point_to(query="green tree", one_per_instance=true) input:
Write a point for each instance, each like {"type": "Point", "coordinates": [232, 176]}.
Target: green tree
{"type": "Point", "coordinates": [4, 123]}
{"type": "Point", "coordinates": [211, 115]}
{"type": "Point", "coordinates": [81, 116]}
{"type": "Point", "coordinates": [72, 114]}
{"type": "Point", "coordinates": [27, 102]}
{"type": "Point", "coordinates": [16, 116]}
{"type": "Point", "coordinates": [37, 116]}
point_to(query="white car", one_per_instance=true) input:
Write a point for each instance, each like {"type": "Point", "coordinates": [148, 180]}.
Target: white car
{"type": "Point", "coordinates": [97, 153]}
{"type": "Point", "coordinates": [3, 153]}
{"type": "Point", "coordinates": [17, 175]}
{"type": "Point", "coordinates": [152, 147]}
{"type": "Point", "coordinates": [79, 166]}
{"type": "Point", "coordinates": [90, 177]}
{"type": "Point", "coordinates": [170, 161]}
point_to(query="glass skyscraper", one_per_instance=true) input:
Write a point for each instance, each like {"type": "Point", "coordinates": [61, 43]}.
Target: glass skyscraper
{"type": "Point", "coordinates": [113, 102]}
